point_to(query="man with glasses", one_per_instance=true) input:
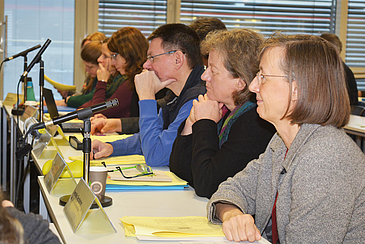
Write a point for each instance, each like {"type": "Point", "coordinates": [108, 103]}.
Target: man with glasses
{"type": "Point", "coordinates": [174, 61]}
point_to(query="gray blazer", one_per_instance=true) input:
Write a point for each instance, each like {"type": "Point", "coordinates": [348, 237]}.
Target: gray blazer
{"type": "Point", "coordinates": [321, 192]}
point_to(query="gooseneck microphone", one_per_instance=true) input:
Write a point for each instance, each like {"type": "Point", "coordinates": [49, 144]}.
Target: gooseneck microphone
{"type": "Point", "coordinates": [36, 58]}
{"type": "Point", "coordinates": [80, 114]}
{"type": "Point", "coordinates": [23, 53]}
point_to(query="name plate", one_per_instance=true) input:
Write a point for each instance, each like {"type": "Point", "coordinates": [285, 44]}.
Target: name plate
{"type": "Point", "coordinates": [83, 219]}
{"type": "Point", "coordinates": [29, 112]}
{"type": "Point", "coordinates": [46, 136]}
{"type": "Point", "coordinates": [52, 180]}
{"type": "Point", "coordinates": [11, 99]}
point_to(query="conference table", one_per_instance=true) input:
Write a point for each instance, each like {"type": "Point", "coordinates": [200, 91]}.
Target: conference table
{"type": "Point", "coordinates": [152, 203]}
{"type": "Point", "coordinates": [356, 127]}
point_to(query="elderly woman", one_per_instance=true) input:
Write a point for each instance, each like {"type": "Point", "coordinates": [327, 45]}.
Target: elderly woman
{"type": "Point", "coordinates": [308, 186]}
{"type": "Point", "coordinates": [202, 156]}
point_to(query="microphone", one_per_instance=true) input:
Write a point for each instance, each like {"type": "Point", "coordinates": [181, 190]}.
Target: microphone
{"type": "Point", "coordinates": [80, 114]}
{"type": "Point", "coordinates": [25, 52]}
{"type": "Point", "coordinates": [36, 58]}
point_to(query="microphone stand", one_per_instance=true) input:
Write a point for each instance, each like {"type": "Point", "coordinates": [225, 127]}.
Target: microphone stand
{"type": "Point", "coordinates": [25, 78]}
{"type": "Point", "coordinates": [41, 85]}
{"type": "Point", "coordinates": [86, 149]}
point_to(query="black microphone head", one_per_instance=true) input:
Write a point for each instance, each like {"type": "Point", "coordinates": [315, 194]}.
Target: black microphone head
{"type": "Point", "coordinates": [112, 103]}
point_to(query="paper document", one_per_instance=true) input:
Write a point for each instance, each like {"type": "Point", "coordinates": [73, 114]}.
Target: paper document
{"type": "Point", "coordinates": [171, 228]}
{"type": "Point", "coordinates": [60, 86]}
{"type": "Point", "coordinates": [175, 181]}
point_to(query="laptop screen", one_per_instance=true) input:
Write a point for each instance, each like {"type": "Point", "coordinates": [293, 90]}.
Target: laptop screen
{"type": "Point", "coordinates": [51, 104]}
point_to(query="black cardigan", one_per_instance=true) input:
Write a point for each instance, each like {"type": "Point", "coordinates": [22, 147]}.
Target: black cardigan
{"type": "Point", "coordinates": [197, 158]}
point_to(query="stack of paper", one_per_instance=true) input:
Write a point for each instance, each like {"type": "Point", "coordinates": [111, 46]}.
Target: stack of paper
{"type": "Point", "coordinates": [172, 228]}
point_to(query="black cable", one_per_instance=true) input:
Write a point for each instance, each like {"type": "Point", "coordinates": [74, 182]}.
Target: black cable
{"type": "Point", "coordinates": [1, 65]}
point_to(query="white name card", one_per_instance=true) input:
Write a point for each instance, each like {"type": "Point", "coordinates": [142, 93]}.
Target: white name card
{"type": "Point", "coordinates": [52, 180]}
{"type": "Point", "coordinates": [83, 219]}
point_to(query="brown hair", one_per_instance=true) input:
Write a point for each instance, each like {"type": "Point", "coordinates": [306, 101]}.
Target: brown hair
{"type": "Point", "coordinates": [239, 49]}
{"type": "Point", "coordinates": [131, 44]}
{"type": "Point", "coordinates": [334, 40]}
{"type": "Point", "coordinates": [90, 53]}
{"type": "Point", "coordinates": [317, 69]}
{"type": "Point", "coordinates": [11, 231]}
{"type": "Point", "coordinates": [96, 36]}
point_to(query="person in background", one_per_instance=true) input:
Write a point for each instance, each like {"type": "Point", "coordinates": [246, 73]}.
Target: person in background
{"type": "Point", "coordinates": [174, 61]}
{"type": "Point", "coordinates": [350, 78]}
{"type": "Point", "coordinates": [96, 36]}
{"type": "Point", "coordinates": [210, 148]}
{"type": "Point", "coordinates": [203, 26]}
{"type": "Point", "coordinates": [89, 54]}
{"type": "Point", "coordinates": [17, 227]}
{"type": "Point", "coordinates": [127, 48]}
{"type": "Point", "coordinates": [308, 186]}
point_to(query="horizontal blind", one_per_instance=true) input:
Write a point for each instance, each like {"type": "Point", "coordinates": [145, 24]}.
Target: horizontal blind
{"type": "Point", "coordinates": [145, 15]}
{"type": "Point", "coordinates": [266, 16]}
{"type": "Point", "coordinates": [355, 45]}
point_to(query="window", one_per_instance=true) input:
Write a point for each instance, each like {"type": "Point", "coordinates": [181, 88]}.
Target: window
{"type": "Point", "coordinates": [355, 51]}
{"type": "Point", "coordinates": [31, 23]}
{"type": "Point", "coordinates": [145, 15]}
{"type": "Point", "coordinates": [266, 16]}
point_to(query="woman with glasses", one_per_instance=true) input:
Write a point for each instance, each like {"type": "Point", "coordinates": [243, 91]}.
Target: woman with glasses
{"type": "Point", "coordinates": [223, 132]}
{"type": "Point", "coordinates": [125, 52]}
{"type": "Point", "coordinates": [89, 55]}
{"type": "Point", "coordinates": [308, 186]}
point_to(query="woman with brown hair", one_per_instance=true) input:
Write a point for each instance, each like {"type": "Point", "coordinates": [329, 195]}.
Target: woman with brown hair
{"type": "Point", "coordinates": [128, 51]}
{"type": "Point", "coordinates": [308, 186]}
{"type": "Point", "coordinates": [223, 132]}
{"type": "Point", "coordinates": [89, 54]}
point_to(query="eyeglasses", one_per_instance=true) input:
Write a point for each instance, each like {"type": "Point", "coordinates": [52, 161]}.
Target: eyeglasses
{"type": "Point", "coordinates": [133, 171]}
{"type": "Point", "coordinates": [152, 58]}
{"type": "Point", "coordinates": [114, 56]}
{"type": "Point", "coordinates": [262, 78]}
{"type": "Point", "coordinates": [105, 56]}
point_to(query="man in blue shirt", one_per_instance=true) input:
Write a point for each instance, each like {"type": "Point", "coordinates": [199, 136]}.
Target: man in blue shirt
{"type": "Point", "coordinates": [174, 61]}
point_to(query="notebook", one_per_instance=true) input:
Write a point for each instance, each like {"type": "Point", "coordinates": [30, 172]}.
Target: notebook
{"type": "Point", "coordinates": [53, 113]}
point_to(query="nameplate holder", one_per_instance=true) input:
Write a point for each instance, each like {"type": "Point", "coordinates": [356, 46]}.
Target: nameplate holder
{"type": "Point", "coordinates": [82, 219]}
{"type": "Point", "coordinates": [54, 183]}
{"type": "Point", "coordinates": [60, 140]}
{"type": "Point", "coordinates": [11, 99]}
{"type": "Point", "coordinates": [46, 138]}
{"type": "Point", "coordinates": [29, 112]}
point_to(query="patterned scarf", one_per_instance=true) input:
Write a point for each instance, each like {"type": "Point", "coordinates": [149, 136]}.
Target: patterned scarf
{"type": "Point", "coordinates": [232, 117]}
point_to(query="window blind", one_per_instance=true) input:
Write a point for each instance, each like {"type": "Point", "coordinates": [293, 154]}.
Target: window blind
{"type": "Point", "coordinates": [355, 45]}
{"type": "Point", "coordinates": [266, 16]}
{"type": "Point", "coordinates": [145, 15]}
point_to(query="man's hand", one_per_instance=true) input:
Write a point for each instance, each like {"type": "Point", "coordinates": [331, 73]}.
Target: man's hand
{"type": "Point", "coordinates": [100, 149]}
{"type": "Point", "coordinates": [237, 226]}
{"type": "Point", "coordinates": [101, 125]}
{"type": "Point", "coordinates": [148, 84]}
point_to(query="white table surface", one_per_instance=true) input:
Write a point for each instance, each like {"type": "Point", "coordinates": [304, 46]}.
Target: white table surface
{"type": "Point", "coordinates": [158, 203]}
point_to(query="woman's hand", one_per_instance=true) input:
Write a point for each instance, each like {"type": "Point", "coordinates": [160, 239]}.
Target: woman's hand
{"type": "Point", "coordinates": [237, 226]}
{"type": "Point", "coordinates": [103, 73]}
{"type": "Point", "coordinates": [205, 108]}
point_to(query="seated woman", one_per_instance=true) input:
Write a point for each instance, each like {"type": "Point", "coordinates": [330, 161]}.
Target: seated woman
{"type": "Point", "coordinates": [308, 186]}
{"type": "Point", "coordinates": [89, 54]}
{"type": "Point", "coordinates": [128, 51]}
{"type": "Point", "coordinates": [202, 156]}
{"type": "Point", "coordinates": [96, 36]}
